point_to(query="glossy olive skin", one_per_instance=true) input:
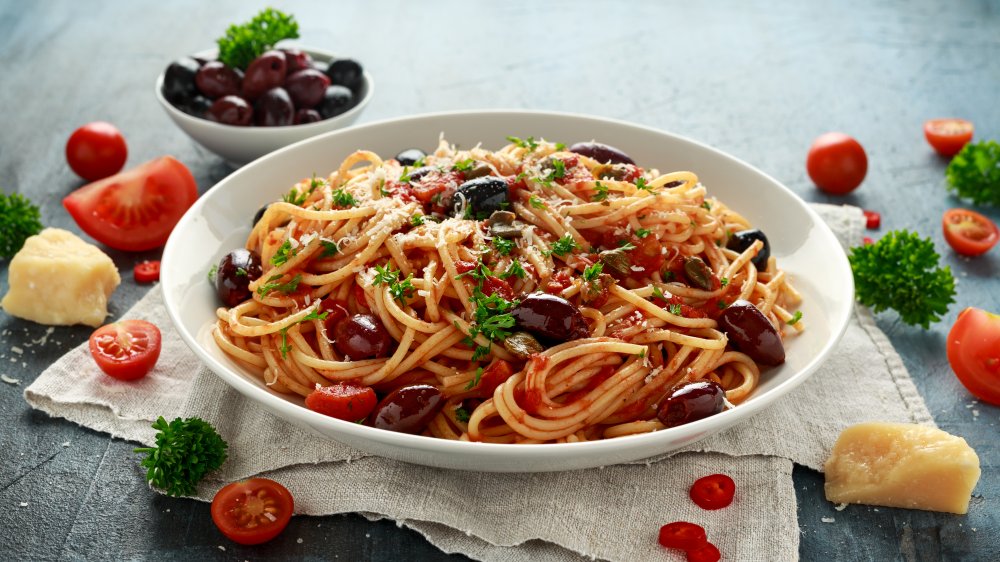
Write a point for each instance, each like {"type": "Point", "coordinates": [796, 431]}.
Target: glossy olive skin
{"type": "Point", "coordinates": [550, 318]}
{"type": "Point", "coordinates": [273, 108]}
{"type": "Point", "coordinates": [307, 87]}
{"type": "Point", "coordinates": [265, 72]}
{"type": "Point", "coordinates": [692, 402]}
{"type": "Point", "coordinates": [232, 286]}
{"type": "Point", "coordinates": [259, 214]}
{"type": "Point", "coordinates": [336, 100]}
{"type": "Point", "coordinates": [417, 174]}
{"type": "Point", "coordinates": [230, 110]}
{"type": "Point", "coordinates": [178, 80]}
{"type": "Point", "coordinates": [407, 409]}
{"type": "Point", "coordinates": [603, 153]}
{"type": "Point", "coordinates": [304, 116]}
{"type": "Point", "coordinates": [297, 59]}
{"type": "Point", "coordinates": [215, 80]}
{"type": "Point", "coordinates": [410, 156]}
{"type": "Point", "coordinates": [197, 106]}
{"type": "Point", "coordinates": [752, 333]}
{"type": "Point", "coordinates": [345, 72]}
{"type": "Point", "coordinates": [361, 336]}
{"type": "Point", "coordinates": [743, 239]}
{"type": "Point", "coordinates": [481, 196]}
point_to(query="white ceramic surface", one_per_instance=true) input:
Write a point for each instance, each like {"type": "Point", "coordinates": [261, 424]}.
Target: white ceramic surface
{"type": "Point", "coordinates": [803, 244]}
{"type": "Point", "coordinates": [239, 145]}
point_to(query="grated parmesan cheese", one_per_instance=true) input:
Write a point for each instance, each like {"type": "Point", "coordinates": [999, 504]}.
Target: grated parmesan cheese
{"type": "Point", "coordinates": [10, 380]}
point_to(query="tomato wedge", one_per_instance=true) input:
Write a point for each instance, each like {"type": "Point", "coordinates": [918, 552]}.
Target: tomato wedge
{"type": "Point", "coordinates": [968, 232]}
{"type": "Point", "coordinates": [146, 272]}
{"type": "Point", "coordinates": [714, 491]}
{"type": "Point", "coordinates": [974, 353]}
{"type": "Point", "coordinates": [707, 552]}
{"type": "Point", "coordinates": [135, 210]}
{"type": "Point", "coordinates": [344, 401]}
{"type": "Point", "coordinates": [682, 535]}
{"type": "Point", "coordinates": [126, 350]}
{"type": "Point", "coordinates": [252, 511]}
{"type": "Point", "coordinates": [948, 136]}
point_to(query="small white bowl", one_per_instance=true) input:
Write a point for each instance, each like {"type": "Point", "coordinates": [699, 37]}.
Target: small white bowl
{"type": "Point", "coordinates": [239, 145]}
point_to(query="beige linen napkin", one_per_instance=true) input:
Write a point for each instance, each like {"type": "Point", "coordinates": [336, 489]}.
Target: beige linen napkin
{"type": "Point", "coordinates": [611, 513]}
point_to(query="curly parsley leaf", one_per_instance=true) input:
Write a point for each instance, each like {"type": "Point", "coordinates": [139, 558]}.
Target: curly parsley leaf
{"type": "Point", "coordinates": [287, 288]}
{"type": "Point", "coordinates": [19, 219]}
{"type": "Point", "coordinates": [342, 198]}
{"type": "Point", "coordinates": [329, 248]}
{"type": "Point", "coordinates": [284, 253]}
{"type": "Point", "coordinates": [503, 245]}
{"type": "Point", "coordinates": [974, 173]}
{"type": "Point", "coordinates": [592, 272]}
{"type": "Point", "coordinates": [601, 192]}
{"type": "Point", "coordinates": [528, 143]}
{"type": "Point", "coordinates": [475, 381]}
{"type": "Point", "coordinates": [536, 202]}
{"type": "Point", "coordinates": [514, 270]}
{"type": "Point", "coordinates": [901, 271]}
{"type": "Point", "coordinates": [243, 43]}
{"type": "Point", "coordinates": [563, 246]}
{"type": "Point", "coordinates": [186, 450]}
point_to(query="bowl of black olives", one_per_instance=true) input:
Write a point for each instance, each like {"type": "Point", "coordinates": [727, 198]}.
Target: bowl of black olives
{"type": "Point", "coordinates": [284, 95]}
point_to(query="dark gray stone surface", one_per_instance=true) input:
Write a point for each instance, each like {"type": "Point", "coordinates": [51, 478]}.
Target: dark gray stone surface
{"type": "Point", "coordinates": [759, 81]}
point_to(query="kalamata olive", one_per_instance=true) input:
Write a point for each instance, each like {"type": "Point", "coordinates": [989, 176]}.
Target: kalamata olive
{"type": "Point", "coordinates": [336, 100]}
{"type": "Point", "coordinates": [297, 59]}
{"type": "Point", "coordinates": [692, 402]}
{"type": "Point", "coordinates": [743, 239]}
{"type": "Point", "coordinates": [236, 271]}
{"type": "Point", "coordinates": [410, 156]}
{"type": "Point", "coordinates": [601, 152]}
{"type": "Point", "coordinates": [407, 409]}
{"type": "Point", "coordinates": [307, 87]}
{"type": "Point", "coordinates": [216, 80]}
{"type": "Point", "coordinates": [550, 317]}
{"type": "Point", "coordinates": [259, 214]}
{"type": "Point", "coordinates": [752, 333]}
{"type": "Point", "coordinates": [178, 80]}
{"type": "Point", "coordinates": [361, 336]}
{"type": "Point", "coordinates": [273, 109]}
{"type": "Point", "coordinates": [479, 197]}
{"type": "Point", "coordinates": [522, 345]}
{"type": "Point", "coordinates": [265, 72]}
{"type": "Point", "coordinates": [230, 110]}
{"type": "Point", "coordinates": [197, 106]}
{"type": "Point", "coordinates": [303, 116]}
{"type": "Point", "coordinates": [345, 72]}
{"type": "Point", "coordinates": [697, 272]}
{"type": "Point", "coordinates": [417, 174]}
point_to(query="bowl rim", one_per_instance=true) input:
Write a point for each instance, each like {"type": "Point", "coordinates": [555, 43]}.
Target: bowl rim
{"type": "Point", "coordinates": [318, 126]}
{"type": "Point", "coordinates": [299, 415]}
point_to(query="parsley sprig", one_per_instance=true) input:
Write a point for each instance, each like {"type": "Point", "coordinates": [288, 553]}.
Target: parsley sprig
{"type": "Point", "coordinates": [19, 219]}
{"type": "Point", "coordinates": [186, 450]}
{"type": "Point", "coordinates": [284, 253]}
{"type": "Point", "coordinates": [400, 290]}
{"type": "Point", "coordinates": [287, 288]}
{"type": "Point", "coordinates": [528, 143]}
{"type": "Point", "coordinates": [243, 43]}
{"type": "Point", "coordinates": [974, 173]}
{"type": "Point", "coordinates": [563, 246]}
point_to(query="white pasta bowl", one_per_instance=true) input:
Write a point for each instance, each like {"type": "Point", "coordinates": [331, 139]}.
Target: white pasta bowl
{"type": "Point", "coordinates": [804, 246]}
{"type": "Point", "coordinates": [239, 145]}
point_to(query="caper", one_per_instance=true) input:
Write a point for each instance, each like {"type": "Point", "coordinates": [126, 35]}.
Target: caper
{"type": "Point", "coordinates": [522, 345]}
{"type": "Point", "coordinates": [617, 260]}
{"type": "Point", "coordinates": [610, 172]}
{"type": "Point", "coordinates": [698, 273]}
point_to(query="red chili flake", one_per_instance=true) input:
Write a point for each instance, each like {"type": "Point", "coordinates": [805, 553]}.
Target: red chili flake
{"type": "Point", "coordinates": [704, 553]}
{"type": "Point", "coordinates": [683, 535]}
{"type": "Point", "coordinates": [714, 491]}
{"type": "Point", "coordinates": [146, 272]}
{"type": "Point", "coordinates": [872, 219]}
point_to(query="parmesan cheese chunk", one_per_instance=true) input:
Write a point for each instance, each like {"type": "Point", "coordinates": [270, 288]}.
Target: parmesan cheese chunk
{"type": "Point", "coordinates": [59, 279]}
{"type": "Point", "coordinates": [902, 465]}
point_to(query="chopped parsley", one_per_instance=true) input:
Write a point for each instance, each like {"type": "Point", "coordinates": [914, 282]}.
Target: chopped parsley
{"type": "Point", "coordinates": [658, 293]}
{"type": "Point", "coordinates": [295, 197]}
{"type": "Point", "coordinates": [329, 248]}
{"type": "Point", "coordinates": [675, 309]}
{"type": "Point", "coordinates": [285, 348]}
{"type": "Point", "coordinates": [286, 288]}
{"type": "Point", "coordinates": [721, 304]}
{"type": "Point", "coordinates": [724, 281]}
{"type": "Point", "coordinates": [795, 318]}
{"type": "Point", "coordinates": [602, 192]}
{"type": "Point", "coordinates": [528, 143]}
{"type": "Point", "coordinates": [480, 352]}
{"type": "Point", "coordinates": [563, 246]}
{"type": "Point", "coordinates": [560, 147]}
{"type": "Point", "coordinates": [212, 272]}
{"type": "Point", "coordinates": [400, 290]}
{"type": "Point", "coordinates": [284, 253]}
{"type": "Point", "coordinates": [462, 415]}
{"type": "Point", "coordinates": [503, 245]}
{"type": "Point", "coordinates": [626, 245]}
{"type": "Point", "coordinates": [536, 202]}
{"type": "Point", "coordinates": [641, 184]}
{"type": "Point", "coordinates": [464, 165]}
{"type": "Point", "coordinates": [591, 273]}
{"type": "Point", "coordinates": [475, 381]}
{"type": "Point", "coordinates": [241, 272]}
{"type": "Point", "coordinates": [342, 198]}
{"type": "Point", "coordinates": [514, 270]}
{"type": "Point", "coordinates": [313, 315]}
{"type": "Point", "coordinates": [706, 205]}
{"type": "Point", "coordinates": [643, 232]}
{"type": "Point", "coordinates": [417, 220]}
{"type": "Point", "coordinates": [385, 274]}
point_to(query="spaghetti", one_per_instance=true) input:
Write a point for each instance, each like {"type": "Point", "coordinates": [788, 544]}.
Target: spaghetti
{"type": "Point", "coordinates": [451, 256]}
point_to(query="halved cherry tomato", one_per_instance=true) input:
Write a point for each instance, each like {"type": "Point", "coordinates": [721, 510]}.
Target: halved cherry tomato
{"type": "Point", "coordinates": [126, 350]}
{"type": "Point", "coordinates": [96, 151]}
{"type": "Point", "coordinates": [968, 232]}
{"type": "Point", "coordinates": [682, 535]}
{"type": "Point", "coordinates": [872, 219]}
{"type": "Point", "coordinates": [493, 376]}
{"type": "Point", "coordinates": [344, 401]}
{"type": "Point", "coordinates": [713, 492]}
{"type": "Point", "coordinates": [136, 209]}
{"type": "Point", "coordinates": [252, 511]}
{"type": "Point", "coordinates": [707, 552]}
{"type": "Point", "coordinates": [836, 163]}
{"type": "Point", "coordinates": [948, 136]}
{"type": "Point", "coordinates": [974, 353]}
{"type": "Point", "coordinates": [146, 272]}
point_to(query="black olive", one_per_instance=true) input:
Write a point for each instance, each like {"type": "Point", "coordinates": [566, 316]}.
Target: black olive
{"type": "Point", "coordinates": [345, 72]}
{"type": "Point", "coordinates": [417, 174]}
{"type": "Point", "coordinates": [410, 156]}
{"type": "Point", "coordinates": [480, 197]}
{"type": "Point", "coordinates": [178, 80]}
{"type": "Point", "coordinates": [408, 409]}
{"type": "Point", "coordinates": [259, 215]}
{"type": "Point", "coordinates": [237, 270]}
{"type": "Point", "coordinates": [692, 402]}
{"type": "Point", "coordinates": [550, 317]}
{"type": "Point", "coordinates": [336, 100]}
{"type": "Point", "coordinates": [743, 239]}
{"type": "Point", "coordinates": [752, 333]}
{"type": "Point", "coordinates": [601, 152]}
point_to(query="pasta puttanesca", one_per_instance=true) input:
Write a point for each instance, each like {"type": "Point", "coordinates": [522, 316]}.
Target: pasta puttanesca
{"type": "Point", "coordinates": [400, 243]}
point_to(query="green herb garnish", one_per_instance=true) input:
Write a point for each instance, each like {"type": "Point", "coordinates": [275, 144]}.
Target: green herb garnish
{"type": "Point", "coordinates": [243, 43]}
{"type": "Point", "coordinates": [284, 253]}
{"type": "Point", "coordinates": [461, 414]}
{"type": "Point", "coordinates": [19, 219]}
{"type": "Point", "coordinates": [342, 198]}
{"type": "Point", "coordinates": [286, 288]}
{"type": "Point", "coordinates": [643, 232]}
{"type": "Point", "coordinates": [475, 381]}
{"type": "Point", "coordinates": [417, 220]}
{"type": "Point", "coordinates": [463, 165]}
{"type": "Point", "coordinates": [563, 246]}
{"type": "Point", "coordinates": [591, 273]}
{"type": "Point", "coordinates": [675, 309]}
{"type": "Point", "coordinates": [795, 318]}
{"type": "Point", "coordinates": [602, 192]}
{"type": "Point", "coordinates": [536, 202]}
{"type": "Point", "coordinates": [329, 248]}
{"type": "Point", "coordinates": [503, 245]}
{"type": "Point", "coordinates": [528, 143]}
{"type": "Point", "coordinates": [974, 173]}
{"type": "Point", "coordinates": [186, 450]}
{"type": "Point", "coordinates": [515, 270]}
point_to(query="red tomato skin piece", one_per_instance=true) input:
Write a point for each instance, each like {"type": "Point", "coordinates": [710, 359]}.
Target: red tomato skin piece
{"type": "Point", "coordinates": [707, 552]}
{"type": "Point", "coordinates": [974, 353]}
{"type": "Point", "coordinates": [714, 491]}
{"type": "Point", "coordinates": [344, 401]}
{"type": "Point", "coordinates": [146, 272]}
{"type": "Point", "coordinates": [165, 189]}
{"type": "Point", "coordinates": [243, 497]}
{"type": "Point", "coordinates": [682, 535]}
{"type": "Point", "coordinates": [873, 219]}
{"type": "Point", "coordinates": [126, 350]}
{"type": "Point", "coordinates": [837, 163]}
